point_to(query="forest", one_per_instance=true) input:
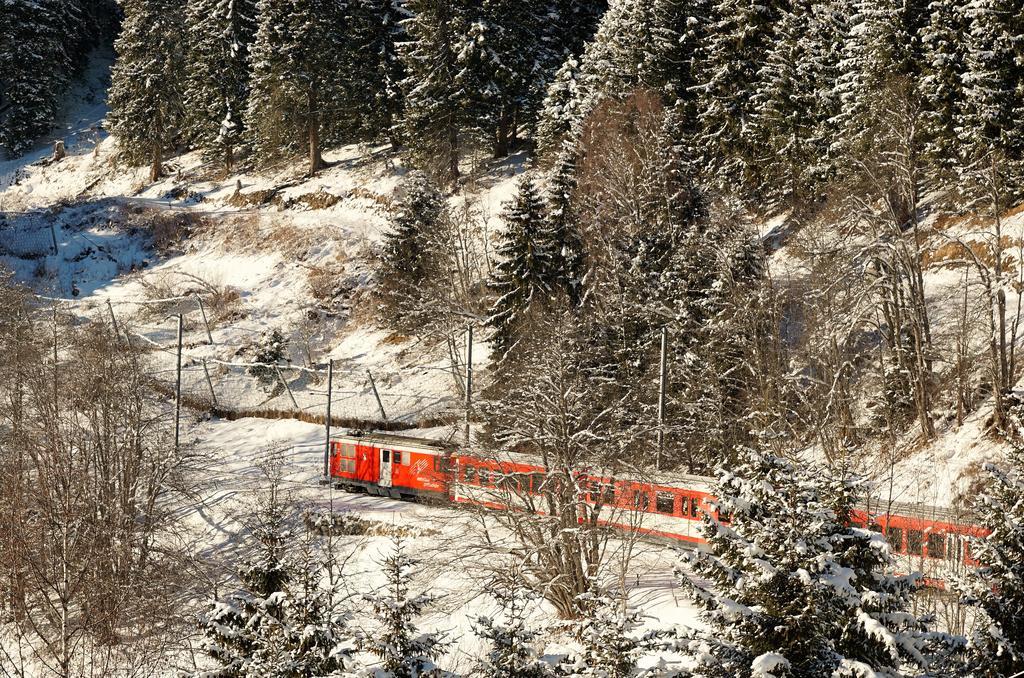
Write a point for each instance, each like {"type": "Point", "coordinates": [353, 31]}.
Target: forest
{"type": "Point", "coordinates": [775, 244]}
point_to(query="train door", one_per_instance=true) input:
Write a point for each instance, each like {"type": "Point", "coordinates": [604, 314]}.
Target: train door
{"type": "Point", "coordinates": [385, 468]}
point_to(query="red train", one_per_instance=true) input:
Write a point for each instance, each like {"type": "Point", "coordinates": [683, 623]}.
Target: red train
{"type": "Point", "coordinates": [923, 538]}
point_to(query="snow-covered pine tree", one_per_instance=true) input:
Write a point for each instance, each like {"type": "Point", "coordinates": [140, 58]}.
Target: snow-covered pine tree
{"type": "Point", "coordinates": [295, 83]}
{"type": "Point", "coordinates": [500, 64]}
{"type": "Point", "coordinates": [996, 587]}
{"type": "Point", "coordinates": [34, 70]}
{"type": "Point", "coordinates": [785, 112]}
{"type": "Point", "coordinates": [943, 87]}
{"type": "Point", "coordinates": [880, 55]}
{"type": "Point", "coordinates": [677, 32]}
{"type": "Point", "coordinates": [375, 95]}
{"type": "Point", "coordinates": [219, 35]}
{"type": "Point", "coordinates": [145, 99]}
{"type": "Point", "coordinates": [525, 272]}
{"type": "Point", "coordinates": [511, 643]}
{"type": "Point", "coordinates": [403, 651]}
{"type": "Point", "coordinates": [993, 96]}
{"type": "Point", "coordinates": [738, 43]}
{"type": "Point", "coordinates": [566, 247]}
{"type": "Point", "coordinates": [408, 259]}
{"type": "Point", "coordinates": [608, 634]}
{"type": "Point", "coordinates": [560, 117]}
{"type": "Point", "coordinates": [568, 26]}
{"type": "Point", "coordinates": [433, 114]}
{"type": "Point", "coordinates": [788, 590]}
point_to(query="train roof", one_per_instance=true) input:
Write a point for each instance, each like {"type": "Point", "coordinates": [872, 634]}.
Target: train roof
{"type": "Point", "coordinates": [396, 440]}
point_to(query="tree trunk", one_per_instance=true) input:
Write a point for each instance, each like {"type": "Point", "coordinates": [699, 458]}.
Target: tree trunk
{"type": "Point", "coordinates": [156, 169]}
{"type": "Point", "coordinates": [316, 161]}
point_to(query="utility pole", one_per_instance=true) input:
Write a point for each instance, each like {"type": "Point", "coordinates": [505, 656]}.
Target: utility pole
{"type": "Point", "coordinates": [469, 378]}
{"type": "Point", "coordinates": [662, 378]}
{"type": "Point", "coordinates": [327, 438]}
{"type": "Point", "coordinates": [177, 392]}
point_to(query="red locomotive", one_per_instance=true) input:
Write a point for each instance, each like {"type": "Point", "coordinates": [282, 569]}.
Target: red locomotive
{"type": "Point", "coordinates": [923, 538]}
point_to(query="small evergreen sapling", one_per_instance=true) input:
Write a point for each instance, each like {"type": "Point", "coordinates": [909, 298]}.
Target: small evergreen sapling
{"type": "Point", "coordinates": [996, 588]}
{"type": "Point", "coordinates": [403, 651]}
{"type": "Point", "coordinates": [607, 631]}
{"type": "Point", "coordinates": [511, 643]}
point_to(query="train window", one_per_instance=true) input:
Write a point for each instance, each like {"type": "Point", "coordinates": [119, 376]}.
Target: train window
{"type": "Point", "coordinates": [666, 502]}
{"type": "Point", "coordinates": [385, 455]}
{"type": "Point", "coordinates": [537, 481]}
{"type": "Point", "coordinates": [915, 542]}
{"type": "Point", "coordinates": [694, 508]}
{"type": "Point", "coordinates": [895, 537]}
{"type": "Point", "coordinates": [936, 545]}
{"type": "Point", "coordinates": [641, 500]}
{"type": "Point", "coordinates": [485, 476]}
{"type": "Point", "coordinates": [398, 457]}
{"type": "Point", "coordinates": [470, 474]}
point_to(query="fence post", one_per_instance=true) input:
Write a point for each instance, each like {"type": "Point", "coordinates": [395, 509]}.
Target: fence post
{"type": "Point", "coordinates": [177, 392]}
{"type": "Point", "coordinates": [380, 405]}
{"type": "Point", "coordinates": [209, 382]}
{"type": "Point", "coordinates": [286, 386]}
{"type": "Point", "coordinates": [327, 438]}
{"type": "Point", "coordinates": [469, 378]}
{"type": "Point", "coordinates": [113, 320]}
{"type": "Point", "coordinates": [53, 239]}
{"type": "Point", "coordinates": [206, 323]}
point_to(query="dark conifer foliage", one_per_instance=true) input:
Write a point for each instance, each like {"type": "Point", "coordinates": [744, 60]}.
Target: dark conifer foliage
{"type": "Point", "coordinates": [295, 81]}
{"type": "Point", "coordinates": [220, 34]}
{"type": "Point", "coordinates": [43, 45]}
{"type": "Point", "coordinates": [526, 272]}
{"type": "Point", "coordinates": [374, 95]}
{"type": "Point", "coordinates": [147, 83]}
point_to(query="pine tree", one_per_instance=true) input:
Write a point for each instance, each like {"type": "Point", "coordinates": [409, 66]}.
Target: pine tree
{"type": "Point", "coordinates": [220, 34]}
{"type": "Point", "coordinates": [607, 631]}
{"type": "Point", "coordinates": [375, 94]}
{"type": "Point", "coordinates": [942, 87]}
{"type": "Point", "coordinates": [993, 96]}
{"type": "Point", "coordinates": [511, 652]}
{"type": "Point", "coordinates": [786, 111]}
{"type": "Point", "coordinates": [408, 259]}
{"type": "Point", "coordinates": [524, 274]}
{"type": "Point", "coordinates": [740, 36]}
{"type": "Point", "coordinates": [677, 33]}
{"type": "Point", "coordinates": [560, 117]}
{"type": "Point", "coordinates": [500, 62]}
{"type": "Point", "coordinates": [433, 99]}
{"type": "Point", "coordinates": [787, 589]}
{"type": "Point", "coordinates": [34, 70]}
{"type": "Point", "coordinates": [403, 651]}
{"type": "Point", "coordinates": [880, 54]}
{"type": "Point", "coordinates": [566, 247]}
{"type": "Point", "coordinates": [146, 82]}
{"type": "Point", "coordinates": [295, 57]}
{"type": "Point", "coordinates": [996, 587]}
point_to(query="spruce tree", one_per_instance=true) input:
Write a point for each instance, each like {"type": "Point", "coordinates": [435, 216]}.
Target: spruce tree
{"type": "Point", "coordinates": [34, 70]}
{"type": "Point", "coordinates": [785, 111]}
{"type": "Point", "coordinates": [145, 99]}
{"type": "Point", "coordinates": [524, 274]}
{"type": "Point", "coordinates": [433, 114]}
{"type": "Point", "coordinates": [566, 247]}
{"type": "Point", "coordinates": [942, 87]}
{"type": "Point", "coordinates": [500, 64]}
{"type": "Point", "coordinates": [408, 259]}
{"type": "Point", "coordinates": [993, 97]}
{"type": "Point", "coordinates": [403, 651]}
{"type": "Point", "coordinates": [561, 116]}
{"type": "Point", "coordinates": [295, 84]}
{"type": "Point", "coordinates": [220, 34]}
{"type": "Point", "coordinates": [607, 632]}
{"type": "Point", "coordinates": [996, 587]}
{"type": "Point", "coordinates": [375, 95]}
{"type": "Point", "coordinates": [510, 641]}
{"type": "Point", "coordinates": [788, 589]}
{"type": "Point", "coordinates": [731, 59]}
